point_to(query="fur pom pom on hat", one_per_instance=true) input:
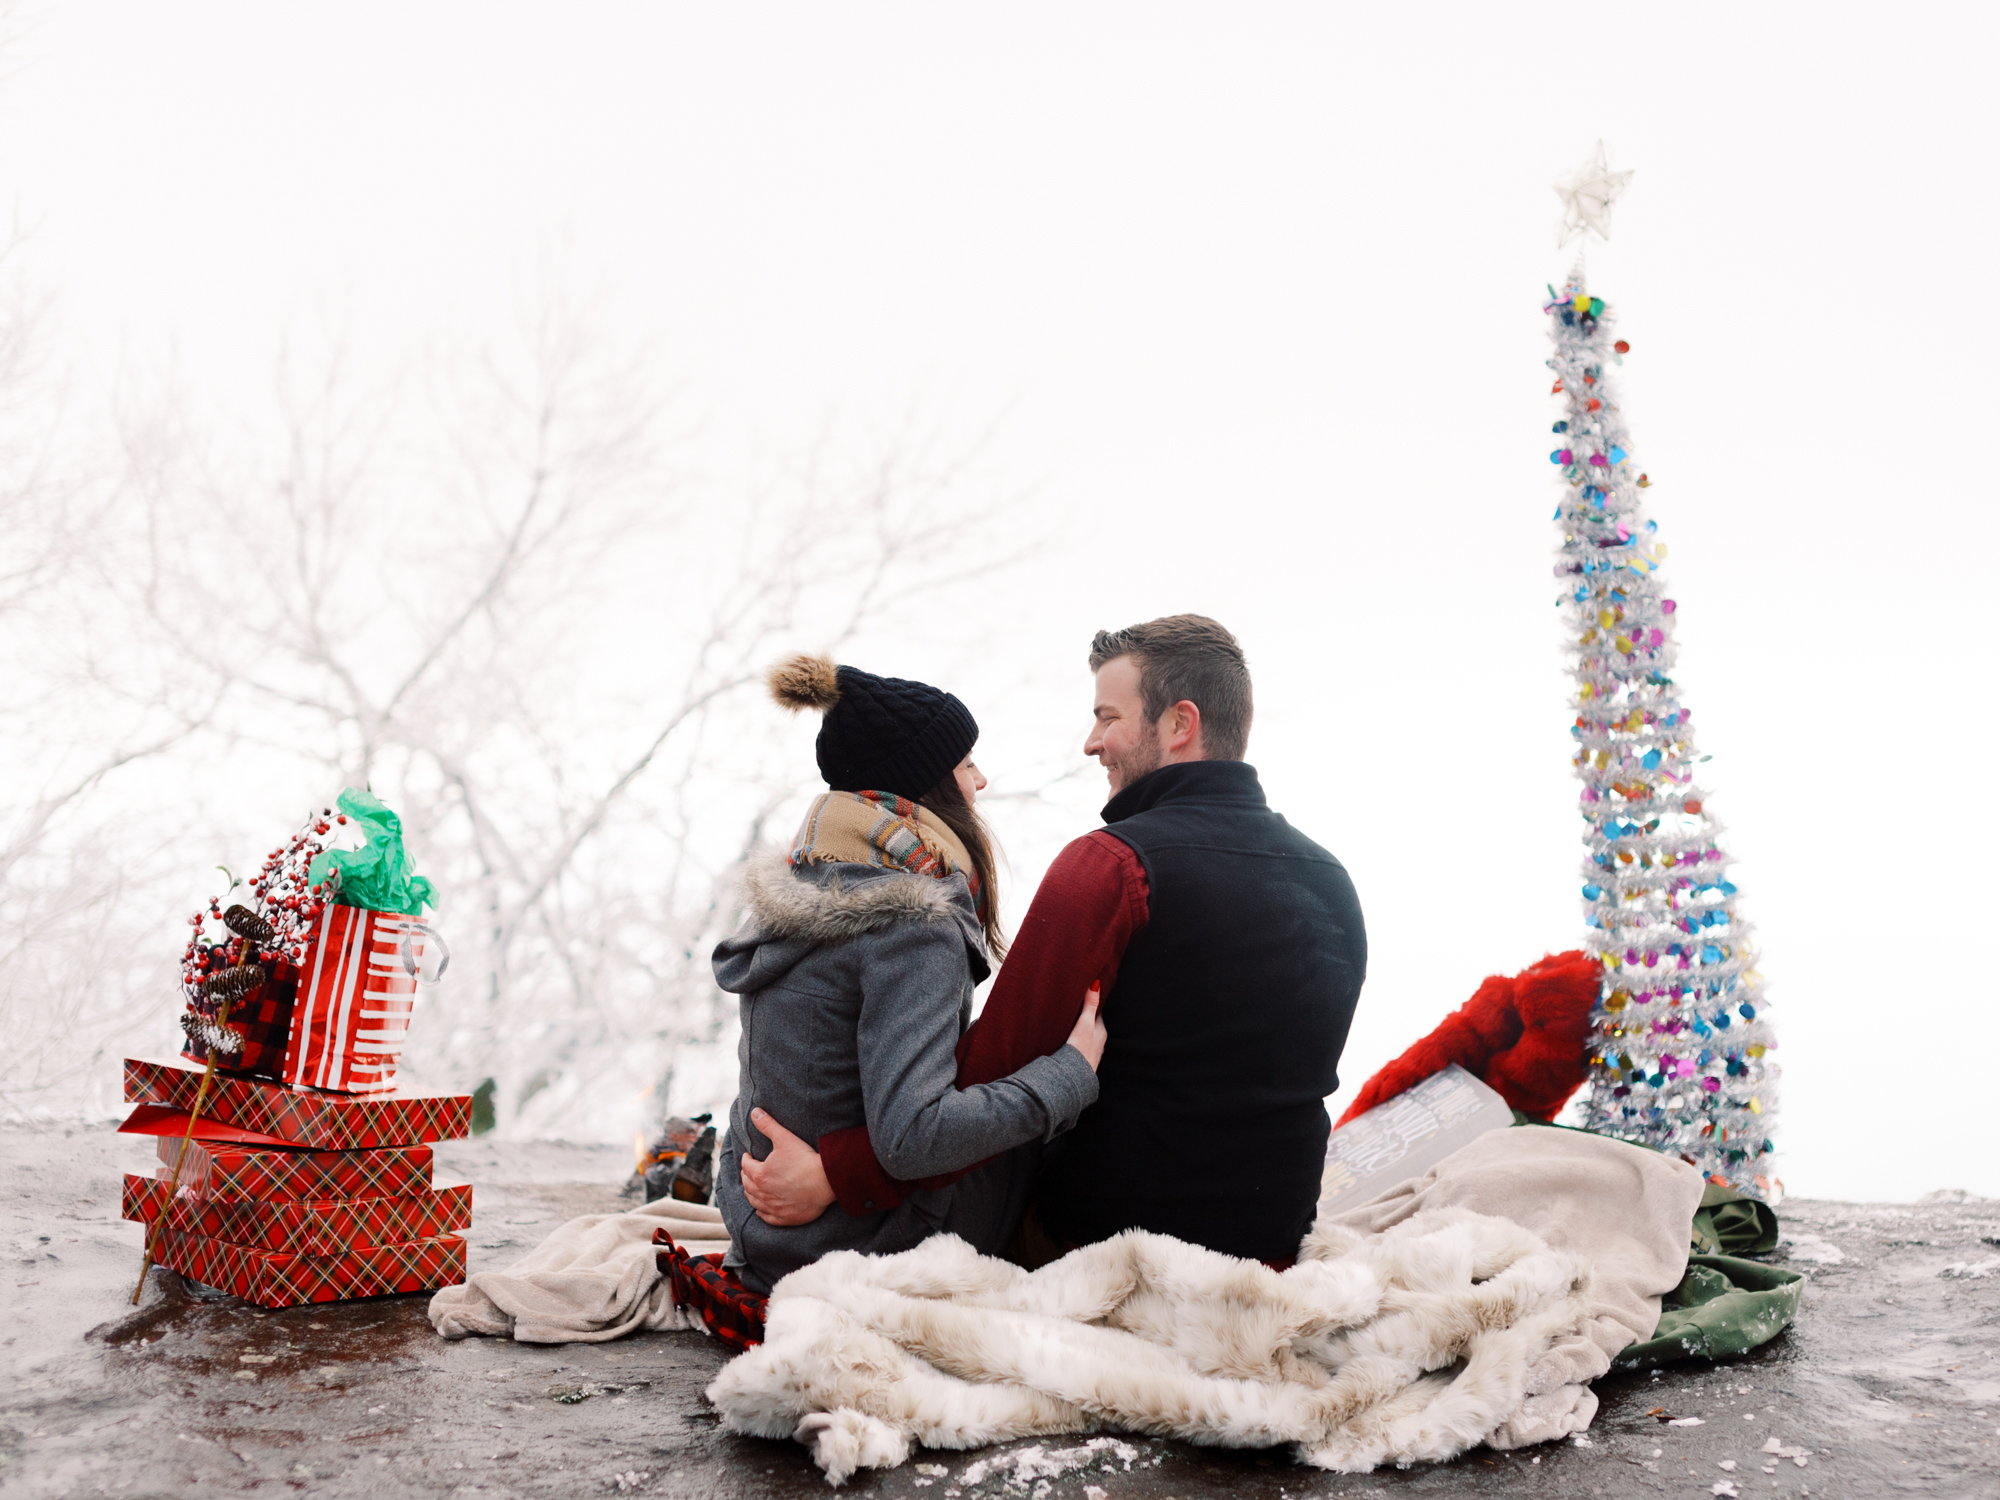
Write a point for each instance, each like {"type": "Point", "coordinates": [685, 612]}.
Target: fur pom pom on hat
{"type": "Point", "coordinates": [805, 682]}
{"type": "Point", "coordinates": [880, 734]}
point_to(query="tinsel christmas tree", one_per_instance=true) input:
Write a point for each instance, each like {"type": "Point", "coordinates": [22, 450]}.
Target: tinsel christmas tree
{"type": "Point", "coordinates": [1680, 1046]}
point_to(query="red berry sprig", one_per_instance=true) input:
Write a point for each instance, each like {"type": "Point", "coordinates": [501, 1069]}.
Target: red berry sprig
{"type": "Point", "coordinates": [283, 894]}
{"type": "Point", "coordinates": [287, 896]}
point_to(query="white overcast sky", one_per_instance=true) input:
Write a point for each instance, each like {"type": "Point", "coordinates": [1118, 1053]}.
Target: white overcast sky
{"type": "Point", "coordinates": [1248, 296]}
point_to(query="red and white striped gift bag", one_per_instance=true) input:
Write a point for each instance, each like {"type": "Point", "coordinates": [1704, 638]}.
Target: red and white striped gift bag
{"type": "Point", "coordinates": [354, 1000]}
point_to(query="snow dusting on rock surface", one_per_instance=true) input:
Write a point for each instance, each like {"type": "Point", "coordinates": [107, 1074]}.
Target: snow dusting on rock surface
{"type": "Point", "coordinates": [1038, 1463]}
{"type": "Point", "coordinates": [1973, 1270]}
{"type": "Point", "coordinates": [1799, 1456]}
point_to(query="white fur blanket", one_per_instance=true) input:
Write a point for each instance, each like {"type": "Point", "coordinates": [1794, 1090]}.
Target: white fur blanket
{"type": "Point", "coordinates": [593, 1279]}
{"type": "Point", "coordinates": [1407, 1340]}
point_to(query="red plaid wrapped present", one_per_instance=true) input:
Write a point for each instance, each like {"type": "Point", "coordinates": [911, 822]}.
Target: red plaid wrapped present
{"type": "Point", "coordinates": [354, 1000]}
{"type": "Point", "coordinates": [730, 1310]}
{"type": "Point", "coordinates": [218, 1173]}
{"type": "Point", "coordinates": [302, 1227]}
{"type": "Point", "coordinates": [276, 1278]}
{"type": "Point", "coordinates": [160, 1119]}
{"type": "Point", "coordinates": [330, 1122]}
{"type": "Point", "coordinates": [263, 1018]}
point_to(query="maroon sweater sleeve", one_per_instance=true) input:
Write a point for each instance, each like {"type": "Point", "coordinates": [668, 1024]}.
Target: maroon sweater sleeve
{"type": "Point", "coordinates": [1090, 903]}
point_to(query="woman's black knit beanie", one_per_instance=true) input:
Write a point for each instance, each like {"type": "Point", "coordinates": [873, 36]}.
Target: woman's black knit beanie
{"type": "Point", "coordinates": [880, 734]}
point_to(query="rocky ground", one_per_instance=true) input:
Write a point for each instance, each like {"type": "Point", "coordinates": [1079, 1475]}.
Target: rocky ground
{"type": "Point", "coordinates": [1889, 1383]}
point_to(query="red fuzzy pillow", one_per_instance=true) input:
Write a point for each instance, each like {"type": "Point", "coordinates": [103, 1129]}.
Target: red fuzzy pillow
{"type": "Point", "coordinates": [1525, 1036]}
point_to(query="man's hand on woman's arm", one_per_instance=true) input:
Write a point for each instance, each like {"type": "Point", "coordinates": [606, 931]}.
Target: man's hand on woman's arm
{"type": "Point", "coordinates": [789, 1186]}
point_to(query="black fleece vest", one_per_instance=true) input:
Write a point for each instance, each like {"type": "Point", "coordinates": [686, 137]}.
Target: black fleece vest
{"type": "Point", "coordinates": [1226, 1024]}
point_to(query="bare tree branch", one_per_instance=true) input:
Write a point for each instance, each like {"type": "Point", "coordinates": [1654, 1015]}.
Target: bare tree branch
{"type": "Point", "coordinates": [489, 609]}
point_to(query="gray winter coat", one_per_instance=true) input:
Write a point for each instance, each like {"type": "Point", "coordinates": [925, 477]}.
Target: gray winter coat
{"type": "Point", "coordinates": [856, 983]}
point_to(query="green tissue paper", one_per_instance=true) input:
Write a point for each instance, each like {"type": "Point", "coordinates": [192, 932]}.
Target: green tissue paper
{"type": "Point", "coordinates": [376, 876]}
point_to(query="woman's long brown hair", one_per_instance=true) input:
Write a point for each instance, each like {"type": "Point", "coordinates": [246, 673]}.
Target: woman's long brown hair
{"type": "Point", "coordinates": [947, 802]}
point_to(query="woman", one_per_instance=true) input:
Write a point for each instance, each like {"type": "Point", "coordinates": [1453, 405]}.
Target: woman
{"type": "Point", "coordinates": [856, 967]}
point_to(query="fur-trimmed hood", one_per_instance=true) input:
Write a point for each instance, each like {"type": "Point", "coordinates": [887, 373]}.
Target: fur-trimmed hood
{"type": "Point", "coordinates": [790, 913]}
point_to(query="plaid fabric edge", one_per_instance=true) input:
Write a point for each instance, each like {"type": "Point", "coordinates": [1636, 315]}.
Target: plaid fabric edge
{"type": "Point", "coordinates": [728, 1309]}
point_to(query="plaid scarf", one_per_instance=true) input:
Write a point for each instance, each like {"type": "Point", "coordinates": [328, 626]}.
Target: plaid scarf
{"type": "Point", "coordinates": [887, 831]}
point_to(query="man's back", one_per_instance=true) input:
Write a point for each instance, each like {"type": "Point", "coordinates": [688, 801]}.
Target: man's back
{"type": "Point", "coordinates": [1231, 1007]}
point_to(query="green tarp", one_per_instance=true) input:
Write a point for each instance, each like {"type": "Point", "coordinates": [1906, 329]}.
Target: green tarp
{"type": "Point", "coordinates": [1723, 1308]}
{"type": "Point", "coordinates": [1727, 1223]}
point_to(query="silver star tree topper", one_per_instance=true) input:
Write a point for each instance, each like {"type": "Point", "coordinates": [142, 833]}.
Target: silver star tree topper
{"type": "Point", "coordinates": [1587, 195]}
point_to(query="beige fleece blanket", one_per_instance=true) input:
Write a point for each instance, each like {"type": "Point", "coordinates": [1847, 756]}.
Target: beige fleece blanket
{"type": "Point", "coordinates": [1466, 1306]}
{"type": "Point", "coordinates": [1622, 1209]}
{"type": "Point", "coordinates": [595, 1278]}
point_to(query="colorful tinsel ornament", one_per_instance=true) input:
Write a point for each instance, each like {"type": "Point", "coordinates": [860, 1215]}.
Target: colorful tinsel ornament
{"type": "Point", "coordinates": [1681, 1035]}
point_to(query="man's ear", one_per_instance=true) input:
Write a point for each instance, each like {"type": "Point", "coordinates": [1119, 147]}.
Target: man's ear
{"type": "Point", "coordinates": [1180, 729]}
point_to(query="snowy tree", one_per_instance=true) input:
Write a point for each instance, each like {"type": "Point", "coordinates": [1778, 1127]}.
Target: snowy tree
{"type": "Point", "coordinates": [79, 739]}
{"type": "Point", "coordinates": [1681, 1039]}
{"type": "Point", "coordinates": [508, 596]}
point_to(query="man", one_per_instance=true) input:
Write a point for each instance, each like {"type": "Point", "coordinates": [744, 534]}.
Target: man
{"type": "Point", "coordinates": [1229, 951]}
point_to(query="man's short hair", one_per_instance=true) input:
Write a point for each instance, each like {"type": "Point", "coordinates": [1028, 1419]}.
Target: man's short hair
{"type": "Point", "coordinates": [1191, 657]}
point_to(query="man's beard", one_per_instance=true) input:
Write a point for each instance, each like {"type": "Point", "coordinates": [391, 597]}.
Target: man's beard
{"type": "Point", "coordinates": [1143, 758]}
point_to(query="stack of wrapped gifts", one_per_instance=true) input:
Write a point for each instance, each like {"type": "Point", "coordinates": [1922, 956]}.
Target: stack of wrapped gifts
{"type": "Point", "coordinates": [289, 1169]}
{"type": "Point", "coordinates": [287, 1196]}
